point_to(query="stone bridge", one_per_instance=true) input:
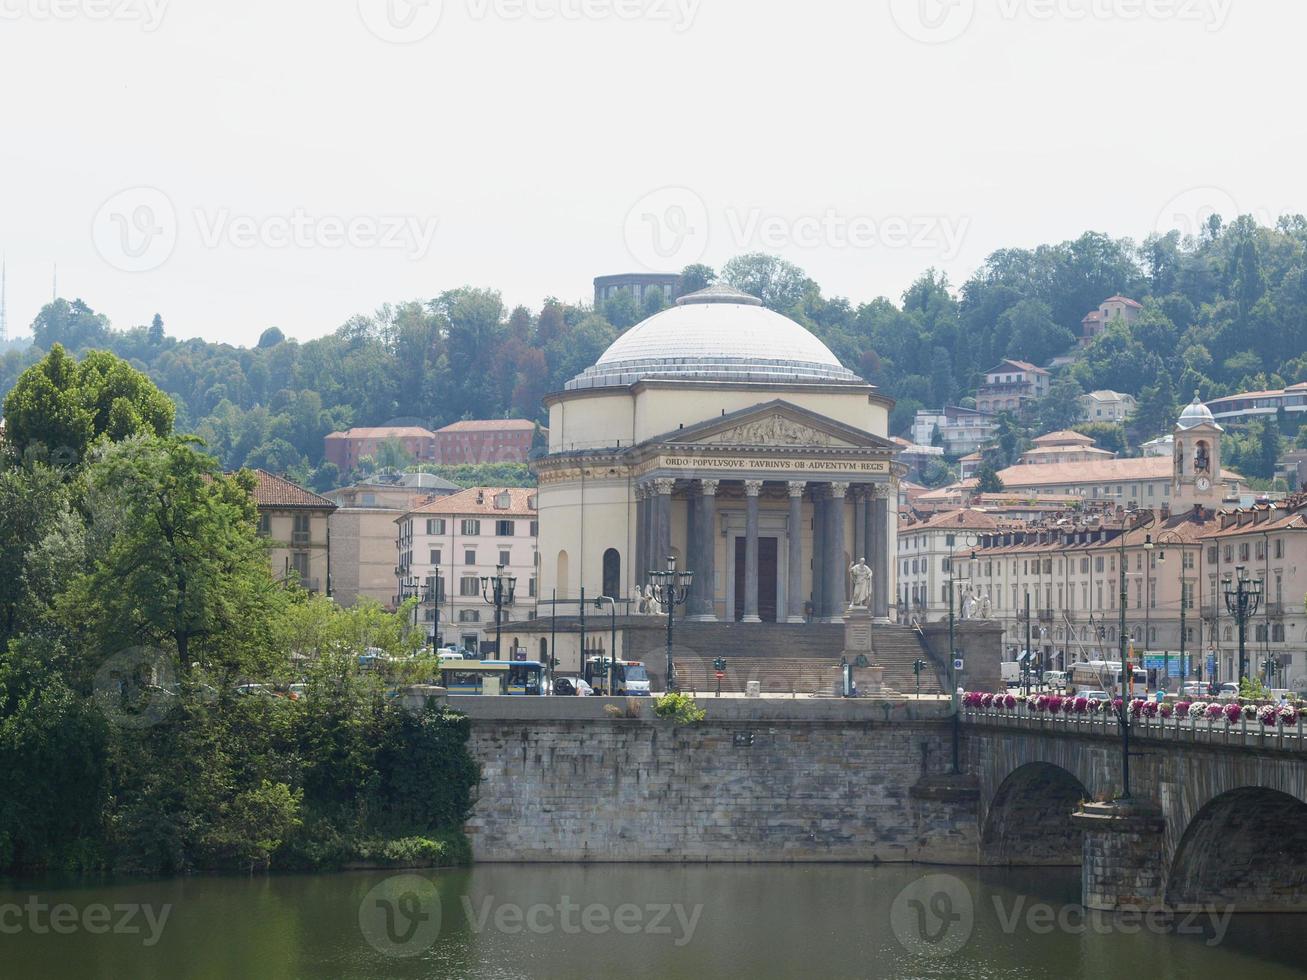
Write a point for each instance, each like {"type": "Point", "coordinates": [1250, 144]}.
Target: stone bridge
{"type": "Point", "coordinates": [1219, 814]}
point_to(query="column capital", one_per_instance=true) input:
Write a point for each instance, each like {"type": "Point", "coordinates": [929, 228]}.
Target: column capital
{"type": "Point", "coordinates": [641, 491]}
{"type": "Point", "coordinates": [709, 487]}
{"type": "Point", "coordinates": [664, 487]}
{"type": "Point", "coordinates": [752, 488]}
{"type": "Point", "coordinates": [839, 490]}
{"type": "Point", "coordinates": [797, 487]}
{"type": "Point", "coordinates": [878, 491]}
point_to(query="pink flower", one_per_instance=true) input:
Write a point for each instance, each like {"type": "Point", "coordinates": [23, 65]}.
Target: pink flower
{"type": "Point", "coordinates": [1166, 709]}
{"type": "Point", "coordinates": [1009, 701]}
{"type": "Point", "coordinates": [1081, 705]}
{"type": "Point", "coordinates": [1136, 707]}
{"type": "Point", "coordinates": [1182, 709]}
{"type": "Point", "coordinates": [1269, 715]}
{"type": "Point", "coordinates": [1288, 716]}
{"type": "Point", "coordinates": [1215, 711]}
{"type": "Point", "coordinates": [1233, 713]}
{"type": "Point", "coordinates": [1149, 709]}
{"type": "Point", "coordinates": [987, 700]}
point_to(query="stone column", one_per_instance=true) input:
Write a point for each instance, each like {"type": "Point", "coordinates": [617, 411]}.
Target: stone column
{"type": "Point", "coordinates": [705, 572]}
{"type": "Point", "coordinates": [663, 531]}
{"type": "Point", "coordinates": [794, 588]}
{"type": "Point", "coordinates": [1121, 868]}
{"type": "Point", "coordinates": [819, 511]}
{"type": "Point", "coordinates": [752, 488]}
{"type": "Point", "coordinates": [879, 557]}
{"type": "Point", "coordinates": [835, 578]}
{"type": "Point", "coordinates": [641, 535]}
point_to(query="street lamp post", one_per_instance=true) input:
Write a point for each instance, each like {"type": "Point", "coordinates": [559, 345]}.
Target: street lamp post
{"type": "Point", "coordinates": [1243, 596]}
{"type": "Point", "coordinates": [1162, 540]}
{"type": "Point", "coordinates": [671, 589]}
{"type": "Point", "coordinates": [498, 590]}
{"type": "Point", "coordinates": [612, 654]}
{"type": "Point", "coordinates": [953, 656]}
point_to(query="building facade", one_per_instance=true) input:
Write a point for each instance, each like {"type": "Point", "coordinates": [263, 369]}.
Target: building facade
{"type": "Point", "coordinates": [1063, 447]}
{"type": "Point", "coordinates": [1012, 386]}
{"type": "Point", "coordinates": [1107, 406]}
{"type": "Point", "coordinates": [1252, 405]}
{"type": "Point", "coordinates": [962, 430]}
{"type": "Point", "coordinates": [729, 438]}
{"type": "Point", "coordinates": [449, 544]}
{"type": "Point", "coordinates": [345, 449]}
{"type": "Point", "coordinates": [639, 285]}
{"type": "Point", "coordinates": [484, 441]}
{"type": "Point", "coordinates": [1097, 321]}
{"type": "Point", "coordinates": [363, 532]}
{"type": "Point", "coordinates": [296, 524]}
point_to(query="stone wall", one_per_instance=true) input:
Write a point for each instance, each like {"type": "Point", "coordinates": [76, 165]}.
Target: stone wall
{"type": "Point", "coordinates": [785, 789]}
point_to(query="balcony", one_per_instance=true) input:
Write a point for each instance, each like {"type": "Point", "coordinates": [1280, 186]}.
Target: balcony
{"type": "Point", "coordinates": [301, 538]}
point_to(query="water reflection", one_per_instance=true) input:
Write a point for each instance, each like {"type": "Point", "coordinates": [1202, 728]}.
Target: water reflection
{"type": "Point", "coordinates": [506, 921]}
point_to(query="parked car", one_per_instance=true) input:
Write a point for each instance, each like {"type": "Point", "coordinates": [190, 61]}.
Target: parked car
{"type": "Point", "coordinates": [572, 687]}
{"type": "Point", "coordinates": [1229, 689]}
{"type": "Point", "coordinates": [1194, 689]}
{"type": "Point", "coordinates": [1096, 696]}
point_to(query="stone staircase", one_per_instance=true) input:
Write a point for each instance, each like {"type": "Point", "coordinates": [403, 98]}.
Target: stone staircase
{"type": "Point", "coordinates": [785, 658]}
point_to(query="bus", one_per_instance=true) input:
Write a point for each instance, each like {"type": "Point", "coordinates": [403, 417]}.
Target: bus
{"type": "Point", "coordinates": [1106, 675]}
{"type": "Point", "coordinates": [491, 677]}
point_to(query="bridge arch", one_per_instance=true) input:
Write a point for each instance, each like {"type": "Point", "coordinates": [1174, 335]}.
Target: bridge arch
{"type": "Point", "coordinates": [1029, 820]}
{"type": "Point", "coordinates": [1243, 849]}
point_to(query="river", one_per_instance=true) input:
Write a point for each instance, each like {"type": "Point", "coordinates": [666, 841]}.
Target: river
{"type": "Point", "coordinates": [499, 922]}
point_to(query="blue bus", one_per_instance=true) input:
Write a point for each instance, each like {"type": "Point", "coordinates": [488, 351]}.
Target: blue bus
{"type": "Point", "coordinates": [518, 677]}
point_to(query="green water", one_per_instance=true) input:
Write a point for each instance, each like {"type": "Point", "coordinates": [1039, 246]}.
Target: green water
{"type": "Point", "coordinates": [511, 921]}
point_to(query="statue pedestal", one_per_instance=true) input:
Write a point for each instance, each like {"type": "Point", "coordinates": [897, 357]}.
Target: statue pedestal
{"type": "Point", "coordinates": [867, 674]}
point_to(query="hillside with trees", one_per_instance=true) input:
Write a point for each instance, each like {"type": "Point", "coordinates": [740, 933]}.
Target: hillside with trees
{"type": "Point", "coordinates": [1223, 312]}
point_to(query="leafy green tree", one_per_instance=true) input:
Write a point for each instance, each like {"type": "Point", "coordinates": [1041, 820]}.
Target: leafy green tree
{"type": "Point", "coordinates": [1106, 435]}
{"type": "Point", "coordinates": [987, 479]}
{"type": "Point", "coordinates": [779, 284]}
{"type": "Point", "coordinates": [620, 310]}
{"type": "Point", "coordinates": [60, 406]}
{"type": "Point", "coordinates": [176, 562]}
{"type": "Point", "coordinates": [1061, 407]}
{"type": "Point", "coordinates": [696, 277]}
{"type": "Point", "coordinates": [1157, 409]}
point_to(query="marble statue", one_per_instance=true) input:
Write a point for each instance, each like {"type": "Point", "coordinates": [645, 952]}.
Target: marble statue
{"type": "Point", "coordinates": [968, 603]}
{"type": "Point", "coordinates": [860, 574]}
{"type": "Point", "coordinates": [986, 606]}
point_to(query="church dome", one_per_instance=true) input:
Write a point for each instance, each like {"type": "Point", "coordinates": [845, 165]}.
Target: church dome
{"type": "Point", "coordinates": [1196, 414]}
{"type": "Point", "coordinates": [716, 334]}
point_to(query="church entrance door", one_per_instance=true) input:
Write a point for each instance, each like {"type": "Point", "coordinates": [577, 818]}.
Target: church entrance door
{"type": "Point", "coordinates": [768, 586]}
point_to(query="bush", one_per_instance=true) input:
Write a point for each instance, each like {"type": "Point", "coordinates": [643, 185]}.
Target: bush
{"type": "Point", "coordinates": [681, 709]}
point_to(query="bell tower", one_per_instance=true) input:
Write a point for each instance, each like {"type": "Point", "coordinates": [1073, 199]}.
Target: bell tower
{"type": "Point", "coordinates": [1197, 459]}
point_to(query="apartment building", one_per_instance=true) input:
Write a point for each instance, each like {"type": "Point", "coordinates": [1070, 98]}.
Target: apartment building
{"type": "Point", "coordinates": [295, 522]}
{"type": "Point", "coordinates": [450, 544]}
{"type": "Point", "coordinates": [1012, 386]}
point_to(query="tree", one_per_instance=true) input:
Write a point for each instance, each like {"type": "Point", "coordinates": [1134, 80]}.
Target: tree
{"type": "Point", "coordinates": [696, 277]}
{"type": "Point", "coordinates": [1061, 407]}
{"type": "Point", "coordinates": [779, 284]}
{"type": "Point", "coordinates": [987, 478]}
{"type": "Point", "coordinates": [271, 338]}
{"type": "Point", "coordinates": [60, 406]}
{"type": "Point", "coordinates": [176, 563]}
{"type": "Point", "coordinates": [620, 309]}
{"type": "Point", "coordinates": [1033, 334]}
{"type": "Point", "coordinates": [1156, 410]}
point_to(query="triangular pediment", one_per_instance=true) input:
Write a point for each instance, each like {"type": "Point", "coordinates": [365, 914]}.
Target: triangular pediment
{"type": "Point", "coordinates": [776, 425]}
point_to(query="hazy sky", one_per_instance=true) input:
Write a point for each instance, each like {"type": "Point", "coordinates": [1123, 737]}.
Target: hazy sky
{"type": "Point", "coordinates": [240, 164]}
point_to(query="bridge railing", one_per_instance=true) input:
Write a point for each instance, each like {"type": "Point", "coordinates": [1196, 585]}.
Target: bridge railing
{"type": "Point", "coordinates": [1245, 732]}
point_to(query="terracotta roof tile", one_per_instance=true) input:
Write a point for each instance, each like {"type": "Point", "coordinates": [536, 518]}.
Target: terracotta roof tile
{"type": "Point", "coordinates": [481, 501]}
{"type": "Point", "coordinates": [275, 491]}
{"type": "Point", "coordinates": [489, 425]}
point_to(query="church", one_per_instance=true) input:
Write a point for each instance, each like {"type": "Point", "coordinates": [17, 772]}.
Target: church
{"type": "Point", "coordinates": [728, 437]}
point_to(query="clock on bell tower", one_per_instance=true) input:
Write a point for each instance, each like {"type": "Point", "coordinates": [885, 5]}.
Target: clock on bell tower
{"type": "Point", "coordinates": [1197, 459]}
